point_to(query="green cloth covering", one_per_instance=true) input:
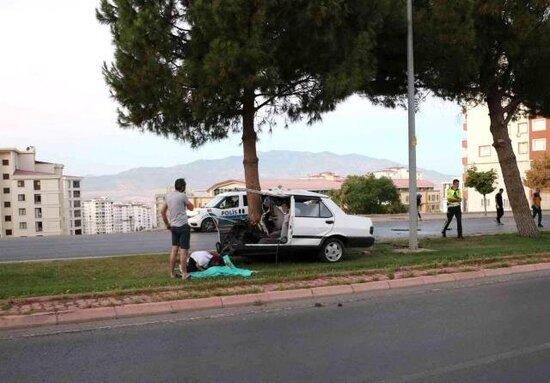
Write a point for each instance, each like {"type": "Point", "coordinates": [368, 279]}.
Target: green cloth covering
{"type": "Point", "coordinates": [229, 270]}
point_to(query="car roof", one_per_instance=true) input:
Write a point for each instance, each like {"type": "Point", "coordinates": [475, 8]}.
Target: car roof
{"type": "Point", "coordinates": [276, 193]}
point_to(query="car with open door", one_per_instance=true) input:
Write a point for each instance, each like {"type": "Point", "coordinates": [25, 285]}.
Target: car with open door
{"type": "Point", "coordinates": [296, 220]}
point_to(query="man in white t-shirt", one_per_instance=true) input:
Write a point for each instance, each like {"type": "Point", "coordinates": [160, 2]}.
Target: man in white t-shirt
{"type": "Point", "coordinates": [176, 206]}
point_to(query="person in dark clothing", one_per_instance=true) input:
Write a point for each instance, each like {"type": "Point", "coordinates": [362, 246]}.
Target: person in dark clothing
{"type": "Point", "coordinates": [418, 204]}
{"type": "Point", "coordinates": [537, 208]}
{"type": "Point", "coordinates": [454, 197]}
{"type": "Point", "coordinates": [499, 205]}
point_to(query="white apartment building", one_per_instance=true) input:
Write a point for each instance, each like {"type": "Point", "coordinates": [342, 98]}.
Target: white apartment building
{"type": "Point", "coordinates": [529, 141]}
{"type": "Point", "coordinates": [36, 198]}
{"type": "Point", "coordinates": [396, 172]}
{"type": "Point", "coordinates": [130, 217]}
{"type": "Point", "coordinates": [103, 216]}
{"type": "Point", "coordinates": [98, 216]}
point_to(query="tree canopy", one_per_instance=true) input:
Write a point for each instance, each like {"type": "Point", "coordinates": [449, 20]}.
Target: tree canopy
{"type": "Point", "coordinates": [539, 174]}
{"type": "Point", "coordinates": [200, 70]}
{"type": "Point", "coordinates": [482, 182]}
{"type": "Point", "coordinates": [368, 195]}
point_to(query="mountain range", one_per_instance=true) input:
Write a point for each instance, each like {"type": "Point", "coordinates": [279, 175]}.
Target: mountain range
{"type": "Point", "coordinates": [142, 183]}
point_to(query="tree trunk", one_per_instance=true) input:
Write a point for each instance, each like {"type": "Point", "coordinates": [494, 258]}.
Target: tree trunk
{"type": "Point", "coordinates": [510, 171]}
{"type": "Point", "coordinates": [485, 204]}
{"type": "Point", "coordinates": [250, 158]}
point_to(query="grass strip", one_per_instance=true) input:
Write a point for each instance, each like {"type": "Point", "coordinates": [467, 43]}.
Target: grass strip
{"type": "Point", "coordinates": [119, 275]}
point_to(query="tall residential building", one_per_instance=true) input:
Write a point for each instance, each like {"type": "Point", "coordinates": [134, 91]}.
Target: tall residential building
{"type": "Point", "coordinates": [130, 217]}
{"type": "Point", "coordinates": [98, 216]}
{"type": "Point", "coordinates": [37, 198]}
{"type": "Point", "coordinates": [103, 216]}
{"type": "Point", "coordinates": [529, 138]}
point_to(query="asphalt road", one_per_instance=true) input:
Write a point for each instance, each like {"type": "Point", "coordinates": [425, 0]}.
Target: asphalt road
{"type": "Point", "coordinates": [488, 330]}
{"type": "Point", "coordinates": [62, 247]}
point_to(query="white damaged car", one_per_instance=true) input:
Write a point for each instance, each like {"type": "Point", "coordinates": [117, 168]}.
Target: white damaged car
{"type": "Point", "coordinates": [295, 220]}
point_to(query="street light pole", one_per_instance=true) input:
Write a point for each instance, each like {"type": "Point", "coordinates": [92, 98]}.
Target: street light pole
{"type": "Point", "coordinates": [413, 213]}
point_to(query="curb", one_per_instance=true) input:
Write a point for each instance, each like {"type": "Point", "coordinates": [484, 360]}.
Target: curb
{"type": "Point", "coordinates": [167, 307]}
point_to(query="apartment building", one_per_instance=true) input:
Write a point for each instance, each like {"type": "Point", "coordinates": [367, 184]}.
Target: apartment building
{"type": "Point", "coordinates": [98, 216]}
{"type": "Point", "coordinates": [431, 198]}
{"type": "Point", "coordinates": [130, 217]}
{"type": "Point", "coordinates": [103, 216]}
{"type": "Point", "coordinates": [36, 198]}
{"type": "Point", "coordinates": [529, 138]}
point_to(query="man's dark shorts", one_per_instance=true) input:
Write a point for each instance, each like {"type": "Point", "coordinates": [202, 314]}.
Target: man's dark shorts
{"type": "Point", "coordinates": [181, 236]}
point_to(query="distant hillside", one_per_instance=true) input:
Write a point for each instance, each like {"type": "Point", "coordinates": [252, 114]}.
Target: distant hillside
{"type": "Point", "coordinates": [143, 183]}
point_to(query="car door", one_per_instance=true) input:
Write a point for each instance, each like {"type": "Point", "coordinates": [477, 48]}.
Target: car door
{"type": "Point", "coordinates": [229, 207]}
{"type": "Point", "coordinates": [311, 221]}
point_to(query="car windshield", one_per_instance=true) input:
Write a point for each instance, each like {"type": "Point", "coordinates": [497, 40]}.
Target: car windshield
{"type": "Point", "coordinates": [216, 200]}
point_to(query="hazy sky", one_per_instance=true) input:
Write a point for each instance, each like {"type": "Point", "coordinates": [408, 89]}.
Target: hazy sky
{"type": "Point", "coordinates": [52, 96]}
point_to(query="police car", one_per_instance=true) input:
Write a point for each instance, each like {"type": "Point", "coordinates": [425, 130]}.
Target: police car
{"type": "Point", "coordinates": [230, 205]}
{"type": "Point", "coordinates": [292, 220]}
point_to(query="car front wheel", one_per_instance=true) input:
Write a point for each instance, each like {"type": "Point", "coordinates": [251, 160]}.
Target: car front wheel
{"type": "Point", "coordinates": [208, 225]}
{"type": "Point", "coordinates": [332, 250]}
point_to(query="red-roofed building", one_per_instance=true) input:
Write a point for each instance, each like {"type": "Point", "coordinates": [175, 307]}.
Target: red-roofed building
{"type": "Point", "coordinates": [36, 198]}
{"type": "Point", "coordinates": [322, 183]}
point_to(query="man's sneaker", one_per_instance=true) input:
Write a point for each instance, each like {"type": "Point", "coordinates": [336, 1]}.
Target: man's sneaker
{"type": "Point", "coordinates": [443, 234]}
{"type": "Point", "coordinates": [460, 237]}
{"type": "Point", "coordinates": [540, 225]}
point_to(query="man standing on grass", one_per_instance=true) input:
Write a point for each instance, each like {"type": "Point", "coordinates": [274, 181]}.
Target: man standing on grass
{"type": "Point", "coordinates": [176, 205]}
{"type": "Point", "coordinates": [499, 205]}
{"type": "Point", "coordinates": [454, 197]}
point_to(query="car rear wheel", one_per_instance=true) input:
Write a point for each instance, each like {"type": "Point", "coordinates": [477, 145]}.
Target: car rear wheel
{"type": "Point", "coordinates": [332, 250]}
{"type": "Point", "coordinates": [208, 225]}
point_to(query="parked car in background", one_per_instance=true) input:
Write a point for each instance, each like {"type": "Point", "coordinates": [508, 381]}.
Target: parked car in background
{"type": "Point", "coordinates": [229, 205]}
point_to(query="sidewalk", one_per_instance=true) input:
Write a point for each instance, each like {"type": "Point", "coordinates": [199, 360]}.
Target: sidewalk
{"type": "Point", "coordinates": [56, 311]}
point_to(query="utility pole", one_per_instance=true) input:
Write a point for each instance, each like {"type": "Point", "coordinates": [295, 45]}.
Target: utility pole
{"type": "Point", "coordinates": [413, 213]}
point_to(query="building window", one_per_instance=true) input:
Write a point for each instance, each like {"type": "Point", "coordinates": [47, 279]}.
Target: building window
{"type": "Point", "coordinates": [538, 144]}
{"type": "Point", "coordinates": [78, 222]}
{"type": "Point", "coordinates": [522, 128]}
{"type": "Point", "coordinates": [485, 151]}
{"type": "Point", "coordinates": [76, 194]}
{"type": "Point", "coordinates": [78, 232]}
{"type": "Point", "coordinates": [488, 202]}
{"type": "Point", "coordinates": [38, 227]}
{"type": "Point", "coordinates": [6, 190]}
{"type": "Point", "coordinates": [38, 212]}
{"type": "Point", "coordinates": [21, 197]}
{"type": "Point", "coordinates": [7, 204]}
{"type": "Point", "coordinates": [5, 176]}
{"type": "Point", "coordinates": [22, 211]}
{"type": "Point", "coordinates": [76, 184]}
{"type": "Point", "coordinates": [8, 232]}
{"type": "Point", "coordinates": [523, 147]}
{"type": "Point", "coordinates": [37, 199]}
{"type": "Point", "coordinates": [36, 184]}
{"type": "Point", "coordinates": [76, 204]}
{"type": "Point", "coordinates": [7, 218]}
{"type": "Point", "coordinates": [5, 162]}
{"type": "Point", "coordinates": [77, 213]}
{"type": "Point", "coordinates": [23, 225]}
{"type": "Point", "coordinates": [538, 125]}
{"type": "Point", "coordinates": [20, 184]}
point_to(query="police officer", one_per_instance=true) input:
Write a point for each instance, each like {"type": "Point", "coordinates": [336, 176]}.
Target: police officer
{"type": "Point", "coordinates": [454, 197]}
